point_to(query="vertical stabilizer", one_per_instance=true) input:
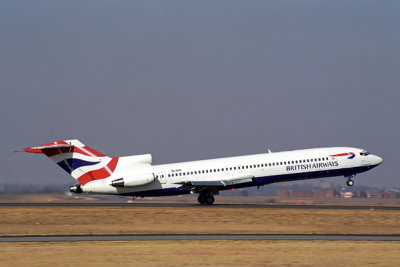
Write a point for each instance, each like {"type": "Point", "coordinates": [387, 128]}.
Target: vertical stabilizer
{"type": "Point", "coordinates": [81, 162]}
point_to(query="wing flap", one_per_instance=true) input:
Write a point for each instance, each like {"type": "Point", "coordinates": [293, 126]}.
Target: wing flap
{"type": "Point", "coordinates": [217, 183]}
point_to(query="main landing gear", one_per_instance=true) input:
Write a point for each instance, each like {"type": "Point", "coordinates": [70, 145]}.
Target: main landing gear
{"type": "Point", "coordinates": [349, 181]}
{"type": "Point", "coordinates": [206, 199]}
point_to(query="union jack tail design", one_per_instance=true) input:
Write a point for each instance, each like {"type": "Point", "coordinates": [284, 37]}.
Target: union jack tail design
{"type": "Point", "coordinates": [81, 162]}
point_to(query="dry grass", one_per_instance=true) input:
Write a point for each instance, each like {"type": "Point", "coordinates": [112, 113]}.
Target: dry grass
{"type": "Point", "coordinates": [152, 220]}
{"type": "Point", "coordinates": [144, 220]}
{"type": "Point", "coordinates": [201, 253]}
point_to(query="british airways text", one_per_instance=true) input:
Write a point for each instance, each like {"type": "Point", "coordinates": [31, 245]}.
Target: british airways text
{"type": "Point", "coordinates": [312, 166]}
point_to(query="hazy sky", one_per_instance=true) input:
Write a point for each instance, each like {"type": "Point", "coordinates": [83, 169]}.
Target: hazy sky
{"type": "Point", "coordinates": [187, 80]}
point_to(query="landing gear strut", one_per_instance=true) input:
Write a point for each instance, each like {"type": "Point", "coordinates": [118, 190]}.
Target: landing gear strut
{"type": "Point", "coordinates": [206, 199]}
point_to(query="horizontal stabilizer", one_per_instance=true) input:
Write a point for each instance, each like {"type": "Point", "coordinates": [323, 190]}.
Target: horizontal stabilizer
{"type": "Point", "coordinates": [39, 149]}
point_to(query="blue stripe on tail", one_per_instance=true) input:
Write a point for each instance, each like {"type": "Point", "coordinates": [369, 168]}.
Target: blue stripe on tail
{"type": "Point", "coordinates": [69, 165]}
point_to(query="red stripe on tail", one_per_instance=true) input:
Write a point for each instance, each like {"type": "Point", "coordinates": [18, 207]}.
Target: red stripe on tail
{"type": "Point", "coordinates": [87, 151]}
{"type": "Point", "coordinates": [100, 173]}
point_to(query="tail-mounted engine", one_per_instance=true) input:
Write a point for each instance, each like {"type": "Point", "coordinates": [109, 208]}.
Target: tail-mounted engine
{"type": "Point", "coordinates": [134, 180]}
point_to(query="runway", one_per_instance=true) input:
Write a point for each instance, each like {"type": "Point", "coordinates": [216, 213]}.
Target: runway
{"type": "Point", "coordinates": [194, 205]}
{"type": "Point", "coordinates": [304, 237]}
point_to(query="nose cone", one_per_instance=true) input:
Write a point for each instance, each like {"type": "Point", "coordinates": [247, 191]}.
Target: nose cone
{"type": "Point", "coordinates": [376, 160]}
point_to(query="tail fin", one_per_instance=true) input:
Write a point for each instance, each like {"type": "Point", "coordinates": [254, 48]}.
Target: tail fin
{"type": "Point", "coordinates": [81, 162]}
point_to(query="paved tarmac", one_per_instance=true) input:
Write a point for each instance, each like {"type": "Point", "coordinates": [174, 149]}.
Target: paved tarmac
{"type": "Point", "coordinates": [195, 205]}
{"type": "Point", "coordinates": [309, 237]}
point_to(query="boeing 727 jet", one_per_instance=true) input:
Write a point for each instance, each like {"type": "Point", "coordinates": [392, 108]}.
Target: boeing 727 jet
{"type": "Point", "coordinates": [136, 176]}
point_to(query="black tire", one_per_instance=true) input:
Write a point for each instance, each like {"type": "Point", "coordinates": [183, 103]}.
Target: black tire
{"type": "Point", "coordinates": [201, 199]}
{"type": "Point", "coordinates": [350, 182]}
{"type": "Point", "coordinates": [209, 200]}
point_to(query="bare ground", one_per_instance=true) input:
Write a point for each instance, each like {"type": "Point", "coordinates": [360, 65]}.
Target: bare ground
{"type": "Point", "coordinates": [77, 198]}
{"type": "Point", "coordinates": [201, 253]}
{"type": "Point", "coordinates": [153, 220]}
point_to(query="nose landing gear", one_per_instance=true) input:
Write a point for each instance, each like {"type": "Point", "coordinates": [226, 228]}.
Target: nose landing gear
{"type": "Point", "coordinates": [349, 181]}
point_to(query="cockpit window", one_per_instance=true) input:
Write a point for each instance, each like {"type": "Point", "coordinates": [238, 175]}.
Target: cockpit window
{"type": "Point", "coordinates": [364, 153]}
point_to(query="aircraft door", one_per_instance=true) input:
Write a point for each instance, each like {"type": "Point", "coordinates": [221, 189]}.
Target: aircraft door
{"type": "Point", "coordinates": [238, 169]}
{"type": "Point", "coordinates": [162, 177]}
{"type": "Point", "coordinates": [228, 172]}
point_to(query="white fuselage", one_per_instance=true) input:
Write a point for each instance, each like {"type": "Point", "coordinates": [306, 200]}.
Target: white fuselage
{"type": "Point", "coordinates": [258, 169]}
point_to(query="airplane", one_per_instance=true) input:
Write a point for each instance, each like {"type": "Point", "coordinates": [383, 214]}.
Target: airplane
{"type": "Point", "coordinates": [136, 176]}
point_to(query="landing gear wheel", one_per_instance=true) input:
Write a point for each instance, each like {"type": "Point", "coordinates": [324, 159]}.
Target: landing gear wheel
{"type": "Point", "coordinates": [201, 199]}
{"type": "Point", "coordinates": [206, 199]}
{"type": "Point", "coordinates": [209, 200]}
{"type": "Point", "coordinates": [350, 182]}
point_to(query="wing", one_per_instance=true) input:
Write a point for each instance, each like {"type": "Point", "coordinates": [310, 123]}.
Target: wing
{"type": "Point", "coordinates": [215, 185]}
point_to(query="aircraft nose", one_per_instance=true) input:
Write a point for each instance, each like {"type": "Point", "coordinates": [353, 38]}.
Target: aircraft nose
{"type": "Point", "coordinates": [377, 160]}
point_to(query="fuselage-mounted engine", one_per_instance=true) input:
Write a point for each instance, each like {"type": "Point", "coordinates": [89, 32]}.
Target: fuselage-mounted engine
{"type": "Point", "coordinates": [134, 180]}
